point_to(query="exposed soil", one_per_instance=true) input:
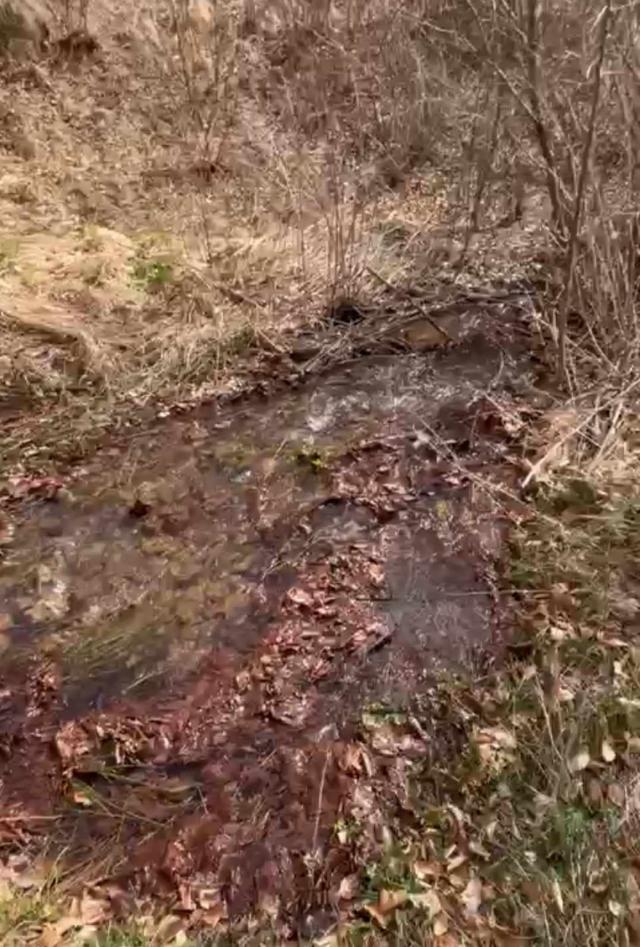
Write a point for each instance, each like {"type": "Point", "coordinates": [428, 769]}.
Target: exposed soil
{"type": "Point", "coordinates": [202, 623]}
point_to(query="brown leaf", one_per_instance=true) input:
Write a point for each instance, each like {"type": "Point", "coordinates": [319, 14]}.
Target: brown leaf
{"type": "Point", "coordinates": [268, 904]}
{"type": "Point", "coordinates": [458, 880]}
{"type": "Point", "coordinates": [214, 915]}
{"type": "Point", "coordinates": [478, 849]}
{"type": "Point", "coordinates": [168, 929]}
{"type": "Point", "coordinates": [53, 934]}
{"type": "Point", "coordinates": [376, 914]}
{"type": "Point", "coordinates": [71, 742]}
{"type": "Point", "coordinates": [580, 761]}
{"type": "Point", "coordinates": [616, 794]}
{"type": "Point", "coordinates": [440, 925]}
{"type": "Point", "coordinates": [472, 896]}
{"type": "Point", "coordinates": [186, 897]}
{"type": "Point", "coordinates": [506, 939]}
{"type": "Point", "coordinates": [348, 888]}
{"type": "Point", "coordinates": [594, 792]}
{"type": "Point", "coordinates": [300, 597]}
{"type": "Point", "coordinates": [428, 900]}
{"type": "Point", "coordinates": [208, 898]}
{"type": "Point", "coordinates": [390, 900]}
{"type": "Point", "coordinates": [423, 870]}
{"type": "Point", "coordinates": [456, 862]}
{"type": "Point", "coordinates": [557, 895]}
{"type": "Point", "coordinates": [350, 758]}
{"type": "Point", "coordinates": [90, 910]}
{"type": "Point", "coordinates": [532, 891]}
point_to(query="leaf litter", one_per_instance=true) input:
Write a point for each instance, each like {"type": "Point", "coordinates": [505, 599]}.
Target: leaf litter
{"type": "Point", "coordinates": [289, 741]}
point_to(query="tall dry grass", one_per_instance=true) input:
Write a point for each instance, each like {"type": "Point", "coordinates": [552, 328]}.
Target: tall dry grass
{"type": "Point", "coordinates": [293, 146]}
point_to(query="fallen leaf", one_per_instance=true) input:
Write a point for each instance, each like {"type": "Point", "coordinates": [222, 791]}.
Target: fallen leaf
{"type": "Point", "coordinates": [374, 912]}
{"type": "Point", "coordinates": [458, 815]}
{"type": "Point", "coordinates": [594, 792]}
{"type": "Point", "coordinates": [616, 908]}
{"type": "Point", "coordinates": [300, 597]}
{"type": "Point", "coordinates": [208, 898]}
{"type": "Point", "coordinates": [350, 758]}
{"type": "Point", "coordinates": [598, 884]}
{"type": "Point", "coordinates": [389, 901]}
{"type": "Point", "coordinates": [81, 798]}
{"type": "Point", "coordinates": [565, 695]}
{"type": "Point", "coordinates": [557, 895]}
{"type": "Point", "coordinates": [440, 925]}
{"type": "Point", "coordinates": [329, 940]}
{"type": "Point", "coordinates": [186, 897]}
{"type": "Point", "coordinates": [52, 934]}
{"type": "Point", "coordinates": [478, 849]}
{"type": "Point", "coordinates": [89, 910]}
{"type": "Point", "coordinates": [608, 752]}
{"type": "Point", "coordinates": [488, 892]}
{"type": "Point", "coordinates": [430, 869]}
{"type": "Point", "coordinates": [213, 916]}
{"type": "Point", "coordinates": [168, 929]}
{"type": "Point", "coordinates": [616, 794]}
{"type": "Point", "coordinates": [579, 762]}
{"type": "Point", "coordinates": [269, 904]}
{"type": "Point", "coordinates": [472, 896]}
{"type": "Point", "coordinates": [495, 746]}
{"type": "Point", "coordinates": [50, 937]}
{"type": "Point", "coordinates": [454, 863]}
{"type": "Point", "coordinates": [348, 888]}
{"type": "Point", "coordinates": [428, 900]}
{"type": "Point", "coordinates": [457, 880]}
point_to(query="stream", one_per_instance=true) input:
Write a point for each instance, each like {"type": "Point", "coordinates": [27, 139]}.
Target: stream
{"type": "Point", "coordinates": [215, 603]}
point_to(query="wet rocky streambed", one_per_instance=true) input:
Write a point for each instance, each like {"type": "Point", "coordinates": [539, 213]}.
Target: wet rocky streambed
{"type": "Point", "coordinates": [197, 628]}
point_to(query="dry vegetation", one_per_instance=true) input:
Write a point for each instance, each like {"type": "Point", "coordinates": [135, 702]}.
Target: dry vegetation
{"type": "Point", "coordinates": [186, 179]}
{"type": "Point", "coordinates": [184, 182]}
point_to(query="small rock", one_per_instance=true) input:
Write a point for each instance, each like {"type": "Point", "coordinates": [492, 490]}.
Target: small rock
{"type": "Point", "coordinates": [302, 350]}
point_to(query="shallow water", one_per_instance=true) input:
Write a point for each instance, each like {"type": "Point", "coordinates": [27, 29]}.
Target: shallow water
{"type": "Point", "coordinates": [187, 536]}
{"type": "Point", "coordinates": [203, 622]}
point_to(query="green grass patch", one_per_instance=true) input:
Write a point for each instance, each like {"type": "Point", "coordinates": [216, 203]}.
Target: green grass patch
{"type": "Point", "coordinates": [153, 275]}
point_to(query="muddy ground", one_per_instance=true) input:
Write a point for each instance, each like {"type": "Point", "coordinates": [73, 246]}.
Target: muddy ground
{"type": "Point", "coordinates": [215, 631]}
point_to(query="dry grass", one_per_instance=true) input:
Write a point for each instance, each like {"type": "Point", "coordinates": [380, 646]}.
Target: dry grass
{"type": "Point", "coordinates": [211, 175]}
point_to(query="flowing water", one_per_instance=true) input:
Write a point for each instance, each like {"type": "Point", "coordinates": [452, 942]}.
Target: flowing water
{"type": "Point", "coordinates": [255, 576]}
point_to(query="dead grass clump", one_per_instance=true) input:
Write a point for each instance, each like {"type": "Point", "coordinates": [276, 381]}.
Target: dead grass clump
{"type": "Point", "coordinates": [279, 143]}
{"type": "Point", "coordinates": [23, 28]}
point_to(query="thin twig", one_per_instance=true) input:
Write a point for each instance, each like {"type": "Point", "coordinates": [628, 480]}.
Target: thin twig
{"type": "Point", "coordinates": [583, 177]}
{"type": "Point", "coordinates": [316, 827]}
{"type": "Point", "coordinates": [415, 305]}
